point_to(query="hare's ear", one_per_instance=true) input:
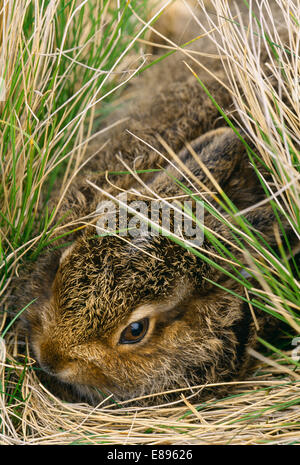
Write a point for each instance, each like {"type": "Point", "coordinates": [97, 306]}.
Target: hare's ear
{"type": "Point", "coordinates": [221, 163]}
{"type": "Point", "coordinates": [214, 156]}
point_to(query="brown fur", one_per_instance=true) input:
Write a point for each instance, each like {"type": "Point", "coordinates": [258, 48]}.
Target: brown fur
{"type": "Point", "coordinates": [198, 333]}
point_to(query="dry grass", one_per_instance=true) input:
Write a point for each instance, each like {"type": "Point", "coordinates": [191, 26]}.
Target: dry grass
{"type": "Point", "coordinates": [264, 408]}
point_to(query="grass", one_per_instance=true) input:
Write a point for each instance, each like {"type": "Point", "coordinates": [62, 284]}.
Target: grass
{"type": "Point", "coordinates": [54, 98]}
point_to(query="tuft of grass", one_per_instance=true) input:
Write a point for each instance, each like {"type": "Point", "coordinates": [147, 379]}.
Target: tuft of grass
{"type": "Point", "coordinates": [60, 60]}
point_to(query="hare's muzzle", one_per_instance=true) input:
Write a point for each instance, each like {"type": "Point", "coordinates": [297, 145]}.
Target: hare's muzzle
{"type": "Point", "coordinates": [51, 360]}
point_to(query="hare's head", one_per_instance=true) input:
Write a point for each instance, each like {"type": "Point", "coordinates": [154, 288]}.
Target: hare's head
{"type": "Point", "coordinates": [134, 318]}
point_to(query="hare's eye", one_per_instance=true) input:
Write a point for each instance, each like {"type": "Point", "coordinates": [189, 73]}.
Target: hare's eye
{"type": "Point", "coordinates": [134, 332]}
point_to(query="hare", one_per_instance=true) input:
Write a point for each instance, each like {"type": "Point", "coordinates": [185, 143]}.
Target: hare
{"type": "Point", "coordinates": [135, 315]}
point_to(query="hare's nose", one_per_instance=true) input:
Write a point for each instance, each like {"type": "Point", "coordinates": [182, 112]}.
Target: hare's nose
{"type": "Point", "coordinates": [50, 364]}
{"type": "Point", "coordinates": [50, 359]}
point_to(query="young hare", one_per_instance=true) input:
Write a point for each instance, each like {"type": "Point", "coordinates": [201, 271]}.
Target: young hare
{"type": "Point", "coordinates": [135, 315]}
